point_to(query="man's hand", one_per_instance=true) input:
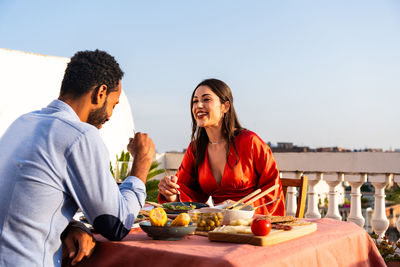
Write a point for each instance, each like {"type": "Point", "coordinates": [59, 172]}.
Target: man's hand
{"type": "Point", "coordinates": [142, 149]}
{"type": "Point", "coordinates": [77, 244]}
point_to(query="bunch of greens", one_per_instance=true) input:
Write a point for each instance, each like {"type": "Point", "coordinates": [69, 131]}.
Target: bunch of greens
{"type": "Point", "coordinates": [178, 207]}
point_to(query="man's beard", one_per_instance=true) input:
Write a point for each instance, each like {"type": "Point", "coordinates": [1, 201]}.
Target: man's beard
{"type": "Point", "coordinates": [98, 116]}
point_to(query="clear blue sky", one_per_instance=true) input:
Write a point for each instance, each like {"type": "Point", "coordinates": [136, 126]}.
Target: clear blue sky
{"type": "Point", "coordinates": [316, 73]}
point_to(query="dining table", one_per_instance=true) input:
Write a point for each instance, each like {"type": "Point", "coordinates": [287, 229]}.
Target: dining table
{"type": "Point", "coordinates": [335, 243]}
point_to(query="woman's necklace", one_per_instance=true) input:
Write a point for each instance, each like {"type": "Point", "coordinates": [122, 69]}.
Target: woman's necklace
{"type": "Point", "coordinates": [216, 143]}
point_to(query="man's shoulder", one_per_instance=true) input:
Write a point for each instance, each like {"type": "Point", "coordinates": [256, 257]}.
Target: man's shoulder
{"type": "Point", "coordinates": [81, 132]}
{"type": "Point", "coordinates": [62, 112]}
{"type": "Point", "coordinates": [62, 126]}
{"type": "Point", "coordinates": [79, 126]}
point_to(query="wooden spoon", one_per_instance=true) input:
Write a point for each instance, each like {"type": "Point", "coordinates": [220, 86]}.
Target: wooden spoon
{"type": "Point", "coordinates": [266, 203]}
{"type": "Point", "coordinates": [240, 201]}
{"type": "Point", "coordinates": [272, 188]}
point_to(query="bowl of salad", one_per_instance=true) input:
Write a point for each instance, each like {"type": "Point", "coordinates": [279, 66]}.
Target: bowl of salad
{"type": "Point", "coordinates": [177, 207]}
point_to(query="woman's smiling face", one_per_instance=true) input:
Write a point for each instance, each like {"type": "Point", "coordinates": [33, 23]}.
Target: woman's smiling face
{"type": "Point", "coordinates": [207, 108]}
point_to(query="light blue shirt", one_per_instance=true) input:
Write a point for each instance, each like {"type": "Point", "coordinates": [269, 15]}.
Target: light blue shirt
{"type": "Point", "coordinates": [51, 163]}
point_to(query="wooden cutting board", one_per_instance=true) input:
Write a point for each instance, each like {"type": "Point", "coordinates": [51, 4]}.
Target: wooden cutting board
{"type": "Point", "coordinates": [274, 237]}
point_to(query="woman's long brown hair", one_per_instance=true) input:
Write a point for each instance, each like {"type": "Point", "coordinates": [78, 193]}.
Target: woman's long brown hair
{"type": "Point", "coordinates": [230, 127]}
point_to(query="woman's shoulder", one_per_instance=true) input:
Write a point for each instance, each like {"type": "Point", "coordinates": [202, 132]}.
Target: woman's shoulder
{"type": "Point", "coordinates": [250, 141]}
{"type": "Point", "coordinates": [248, 136]}
{"type": "Point", "coordinates": [190, 148]}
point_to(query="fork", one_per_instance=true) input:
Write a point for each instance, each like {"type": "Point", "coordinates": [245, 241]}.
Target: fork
{"type": "Point", "coordinates": [179, 198]}
{"type": "Point", "coordinates": [177, 191]}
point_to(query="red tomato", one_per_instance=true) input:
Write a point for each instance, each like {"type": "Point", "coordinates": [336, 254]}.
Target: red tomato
{"type": "Point", "coordinates": [261, 227]}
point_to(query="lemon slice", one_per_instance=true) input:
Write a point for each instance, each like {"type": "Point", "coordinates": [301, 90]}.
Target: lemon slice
{"type": "Point", "coordinates": [182, 219]}
{"type": "Point", "coordinates": [158, 217]}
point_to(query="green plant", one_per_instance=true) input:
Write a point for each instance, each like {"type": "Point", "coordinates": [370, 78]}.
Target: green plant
{"type": "Point", "coordinates": [122, 171]}
{"type": "Point", "coordinates": [121, 167]}
{"type": "Point", "coordinates": [367, 187]}
{"type": "Point", "coordinates": [393, 195]}
{"type": "Point", "coordinates": [346, 203]}
{"type": "Point", "coordinates": [152, 190]}
{"type": "Point", "coordinates": [112, 170]}
{"type": "Point", "coordinates": [387, 248]}
{"type": "Point", "coordinates": [152, 184]}
{"type": "Point", "coordinates": [125, 156]}
{"type": "Point", "coordinates": [364, 202]}
{"type": "Point", "coordinates": [154, 171]}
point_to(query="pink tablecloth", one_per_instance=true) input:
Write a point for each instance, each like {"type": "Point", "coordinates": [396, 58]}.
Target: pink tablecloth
{"type": "Point", "coordinates": [335, 243]}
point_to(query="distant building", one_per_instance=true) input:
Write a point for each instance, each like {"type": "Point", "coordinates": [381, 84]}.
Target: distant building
{"type": "Point", "coordinates": [285, 145]}
{"type": "Point", "coordinates": [289, 147]}
{"type": "Point", "coordinates": [373, 150]}
{"type": "Point", "coordinates": [332, 149]}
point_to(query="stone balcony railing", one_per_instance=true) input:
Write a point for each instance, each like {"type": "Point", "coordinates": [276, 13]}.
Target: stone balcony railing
{"type": "Point", "coordinates": [380, 169]}
{"type": "Point", "coordinates": [355, 168]}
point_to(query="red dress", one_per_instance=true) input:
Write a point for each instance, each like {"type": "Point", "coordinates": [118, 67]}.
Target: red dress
{"type": "Point", "coordinates": [255, 169]}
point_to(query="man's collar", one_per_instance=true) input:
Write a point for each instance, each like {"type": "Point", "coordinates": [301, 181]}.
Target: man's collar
{"type": "Point", "coordinates": [61, 105]}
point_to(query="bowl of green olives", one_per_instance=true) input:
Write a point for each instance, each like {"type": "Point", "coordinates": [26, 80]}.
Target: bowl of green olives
{"type": "Point", "coordinates": [207, 219]}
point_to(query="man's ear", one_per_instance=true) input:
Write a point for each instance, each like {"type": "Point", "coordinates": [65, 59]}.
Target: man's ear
{"type": "Point", "coordinates": [99, 95]}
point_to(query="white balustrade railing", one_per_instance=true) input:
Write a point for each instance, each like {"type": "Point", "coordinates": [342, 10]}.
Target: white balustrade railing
{"type": "Point", "coordinates": [379, 221]}
{"type": "Point", "coordinates": [312, 203]}
{"type": "Point", "coordinates": [356, 181]}
{"type": "Point", "coordinates": [333, 180]}
{"type": "Point", "coordinates": [396, 178]}
{"type": "Point", "coordinates": [355, 169]}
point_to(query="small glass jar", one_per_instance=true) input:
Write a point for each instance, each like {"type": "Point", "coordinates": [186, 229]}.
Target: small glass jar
{"type": "Point", "coordinates": [122, 170]}
{"type": "Point", "coordinates": [206, 220]}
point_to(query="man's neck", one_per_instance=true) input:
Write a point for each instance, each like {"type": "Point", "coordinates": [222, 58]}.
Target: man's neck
{"type": "Point", "coordinates": [79, 105]}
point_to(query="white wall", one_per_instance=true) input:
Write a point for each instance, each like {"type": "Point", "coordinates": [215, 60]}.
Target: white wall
{"type": "Point", "coordinates": [31, 81]}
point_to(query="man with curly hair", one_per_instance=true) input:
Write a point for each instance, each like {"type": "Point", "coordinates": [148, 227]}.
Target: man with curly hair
{"type": "Point", "coordinates": [53, 161]}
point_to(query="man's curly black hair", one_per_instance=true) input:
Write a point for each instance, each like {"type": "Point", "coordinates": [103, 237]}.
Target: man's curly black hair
{"type": "Point", "coordinates": [88, 70]}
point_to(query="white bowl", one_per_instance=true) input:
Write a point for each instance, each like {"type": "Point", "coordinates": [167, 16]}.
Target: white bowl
{"type": "Point", "coordinates": [222, 206]}
{"type": "Point", "coordinates": [234, 215]}
{"type": "Point", "coordinates": [207, 209]}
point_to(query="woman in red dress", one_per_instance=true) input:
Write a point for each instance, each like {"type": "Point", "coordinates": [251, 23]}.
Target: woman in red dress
{"type": "Point", "coordinates": [223, 160]}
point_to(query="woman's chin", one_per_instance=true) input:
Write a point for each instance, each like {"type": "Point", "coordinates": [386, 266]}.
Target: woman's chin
{"type": "Point", "coordinates": [201, 124]}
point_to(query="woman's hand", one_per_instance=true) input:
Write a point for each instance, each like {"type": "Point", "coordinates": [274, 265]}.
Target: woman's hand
{"type": "Point", "coordinates": [167, 187]}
